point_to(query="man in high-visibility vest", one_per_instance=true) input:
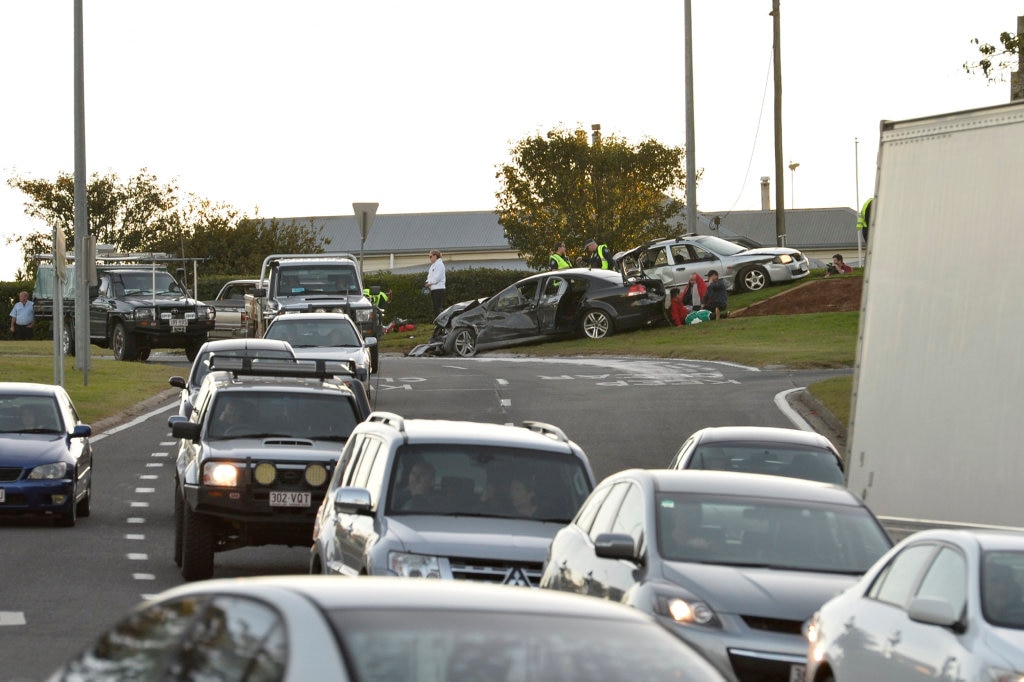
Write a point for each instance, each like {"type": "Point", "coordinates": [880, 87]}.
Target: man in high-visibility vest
{"type": "Point", "coordinates": [558, 261]}
{"type": "Point", "coordinates": [597, 256]}
{"type": "Point", "coordinates": [864, 218]}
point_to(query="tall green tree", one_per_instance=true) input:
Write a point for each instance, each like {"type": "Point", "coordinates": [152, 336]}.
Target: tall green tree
{"type": "Point", "coordinates": [561, 187]}
{"type": "Point", "coordinates": [145, 215]}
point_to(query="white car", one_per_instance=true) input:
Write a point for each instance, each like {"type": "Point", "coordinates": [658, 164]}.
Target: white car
{"type": "Point", "coordinates": [302, 628]}
{"type": "Point", "coordinates": [941, 605]}
{"type": "Point", "coordinates": [742, 269]}
{"type": "Point", "coordinates": [325, 336]}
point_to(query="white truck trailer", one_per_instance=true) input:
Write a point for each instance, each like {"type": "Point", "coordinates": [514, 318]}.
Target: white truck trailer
{"type": "Point", "coordinates": [937, 420]}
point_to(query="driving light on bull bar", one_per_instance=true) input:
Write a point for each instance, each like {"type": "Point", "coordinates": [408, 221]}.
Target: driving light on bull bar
{"type": "Point", "coordinates": [316, 475]}
{"type": "Point", "coordinates": [265, 473]}
{"type": "Point", "coordinates": [220, 474]}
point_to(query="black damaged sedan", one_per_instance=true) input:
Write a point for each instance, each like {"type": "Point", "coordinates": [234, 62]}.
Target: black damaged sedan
{"type": "Point", "coordinates": [549, 306]}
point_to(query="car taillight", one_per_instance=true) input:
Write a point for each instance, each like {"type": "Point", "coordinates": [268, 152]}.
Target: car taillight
{"type": "Point", "coordinates": [637, 290]}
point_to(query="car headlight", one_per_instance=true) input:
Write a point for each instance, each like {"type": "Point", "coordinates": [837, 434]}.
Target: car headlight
{"type": "Point", "coordinates": [145, 314]}
{"type": "Point", "coordinates": [364, 315]}
{"type": "Point", "coordinates": [686, 611]}
{"type": "Point", "coordinates": [49, 471]}
{"type": "Point", "coordinates": [414, 565]}
{"type": "Point", "coordinates": [220, 474]}
{"type": "Point", "coordinates": [784, 259]}
{"type": "Point", "coordinates": [1004, 675]}
{"type": "Point", "coordinates": [209, 312]}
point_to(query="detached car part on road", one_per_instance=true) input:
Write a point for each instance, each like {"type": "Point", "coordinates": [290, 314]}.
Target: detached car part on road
{"type": "Point", "coordinates": [45, 455]}
{"type": "Point", "coordinates": [549, 306]}
{"type": "Point", "coordinates": [256, 455]}
{"type": "Point", "coordinates": [672, 261]}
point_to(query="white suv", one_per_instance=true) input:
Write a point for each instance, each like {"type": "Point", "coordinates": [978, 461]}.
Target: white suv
{"type": "Point", "coordinates": [448, 499]}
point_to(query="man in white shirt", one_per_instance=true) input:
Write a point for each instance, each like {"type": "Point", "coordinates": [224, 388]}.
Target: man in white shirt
{"type": "Point", "coordinates": [23, 318]}
{"type": "Point", "coordinates": [435, 281]}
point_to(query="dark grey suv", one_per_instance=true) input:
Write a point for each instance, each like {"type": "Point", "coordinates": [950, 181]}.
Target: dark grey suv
{"type": "Point", "coordinates": [256, 455]}
{"type": "Point", "coordinates": [449, 499]}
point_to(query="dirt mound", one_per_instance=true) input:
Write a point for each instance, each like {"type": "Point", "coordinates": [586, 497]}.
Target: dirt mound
{"type": "Point", "coordinates": [826, 295]}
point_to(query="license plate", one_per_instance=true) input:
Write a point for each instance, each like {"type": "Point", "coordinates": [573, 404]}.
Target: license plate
{"type": "Point", "coordinates": [796, 673]}
{"type": "Point", "coordinates": [178, 325]}
{"type": "Point", "coordinates": [282, 499]}
{"type": "Point", "coordinates": [3, 495]}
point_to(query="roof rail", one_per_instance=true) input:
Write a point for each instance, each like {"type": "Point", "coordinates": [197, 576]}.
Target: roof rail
{"type": "Point", "coordinates": [388, 419]}
{"type": "Point", "coordinates": [298, 368]}
{"type": "Point", "coordinates": [549, 430]}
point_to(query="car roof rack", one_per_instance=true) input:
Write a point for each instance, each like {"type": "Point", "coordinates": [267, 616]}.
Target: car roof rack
{"type": "Point", "coordinates": [388, 419]}
{"type": "Point", "coordinates": [549, 430]}
{"type": "Point", "coordinates": [299, 368]}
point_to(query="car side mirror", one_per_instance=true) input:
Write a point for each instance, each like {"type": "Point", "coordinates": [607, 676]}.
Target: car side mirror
{"type": "Point", "coordinates": [81, 431]}
{"type": "Point", "coordinates": [182, 428]}
{"type": "Point", "coordinates": [615, 546]}
{"type": "Point", "coordinates": [177, 382]}
{"type": "Point", "coordinates": [933, 611]}
{"type": "Point", "coordinates": [370, 341]}
{"type": "Point", "coordinates": [352, 501]}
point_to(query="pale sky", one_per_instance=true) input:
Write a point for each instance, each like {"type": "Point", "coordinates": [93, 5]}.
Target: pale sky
{"type": "Point", "coordinates": [305, 106]}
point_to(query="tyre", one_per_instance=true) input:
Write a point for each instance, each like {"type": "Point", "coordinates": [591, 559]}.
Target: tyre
{"type": "Point", "coordinates": [596, 324]}
{"type": "Point", "coordinates": [123, 344]}
{"type": "Point", "coordinates": [144, 354]}
{"type": "Point", "coordinates": [461, 342]}
{"type": "Point", "coordinates": [374, 360]}
{"type": "Point", "coordinates": [84, 506]}
{"type": "Point", "coordinates": [192, 350]}
{"type": "Point", "coordinates": [68, 518]}
{"type": "Point", "coordinates": [179, 520]}
{"type": "Point", "coordinates": [67, 337]}
{"type": "Point", "coordinates": [753, 279]}
{"type": "Point", "coordinates": [196, 545]}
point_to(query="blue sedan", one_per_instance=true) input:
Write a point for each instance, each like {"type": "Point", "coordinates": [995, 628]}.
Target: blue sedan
{"type": "Point", "coordinates": [45, 456]}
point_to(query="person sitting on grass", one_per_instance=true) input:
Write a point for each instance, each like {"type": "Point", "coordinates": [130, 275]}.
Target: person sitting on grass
{"type": "Point", "coordinates": [716, 298]}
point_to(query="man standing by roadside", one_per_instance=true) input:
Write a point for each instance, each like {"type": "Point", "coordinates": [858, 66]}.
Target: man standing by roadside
{"type": "Point", "coordinates": [558, 261]}
{"type": "Point", "coordinates": [436, 281]}
{"type": "Point", "coordinates": [597, 256]}
{"type": "Point", "coordinates": [716, 297]}
{"type": "Point", "coordinates": [23, 318]}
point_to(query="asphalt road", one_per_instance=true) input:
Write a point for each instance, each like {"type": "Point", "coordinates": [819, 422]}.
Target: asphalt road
{"type": "Point", "coordinates": [61, 587]}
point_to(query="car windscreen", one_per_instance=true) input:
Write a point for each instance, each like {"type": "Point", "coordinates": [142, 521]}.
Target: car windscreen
{"type": "Point", "coordinates": [324, 278]}
{"type": "Point", "coordinates": [307, 333]}
{"type": "Point", "coordinates": [773, 458]}
{"type": "Point", "coordinates": [143, 282]}
{"type": "Point", "coordinates": [720, 246]}
{"type": "Point", "coordinates": [269, 413]}
{"type": "Point", "coordinates": [772, 533]}
{"type": "Point", "coordinates": [29, 414]}
{"type": "Point", "coordinates": [487, 480]}
{"type": "Point", "coordinates": [438, 646]}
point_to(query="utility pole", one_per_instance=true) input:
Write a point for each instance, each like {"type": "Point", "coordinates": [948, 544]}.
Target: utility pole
{"type": "Point", "coordinates": [82, 268]}
{"type": "Point", "coordinates": [691, 159]}
{"type": "Point", "coordinates": [780, 192]}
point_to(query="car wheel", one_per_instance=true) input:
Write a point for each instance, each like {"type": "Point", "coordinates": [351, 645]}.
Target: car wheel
{"type": "Point", "coordinates": [179, 520]}
{"type": "Point", "coordinates": [144, 354]}
{"type": "Point", "coordinates": [67, 337]}
{"type": "Point", "coordinates": [68, 518]}
{"type": "Point", "coordinates": [123, 344]}
{"type": "Point", "coordinates": [192, 350]}
{"type": "Point", "coordinates": [753, 279]}
{"type": "Point", "coordinates": [84, 506]}
{"type": "Point", "coordinates": [461, 341]}
{"type": "Point", "coordinates": [196, 545]}
{"type": "Point", "coordinates": [596, 324]}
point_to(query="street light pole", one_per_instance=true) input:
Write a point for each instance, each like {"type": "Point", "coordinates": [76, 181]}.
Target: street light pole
{"type": "Point", "coordinates": [792, 183]}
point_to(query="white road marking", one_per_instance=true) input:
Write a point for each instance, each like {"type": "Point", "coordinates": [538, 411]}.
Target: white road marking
{"type": "Point", "coordinates": [158, 455]}
{"type": "Point", "coordinates": [138, 504]}
{"type": "Point", "coordinates": [136, 519]}
{"type": "Point", "coordinates": [128, 425]}
{"type": "Point", "coordinates": [793, 415]}
{"type": "Point", "coordinates": [134, 536]}
{"type": "Point", "coordinates": [154, 465]}
{"type": "Point", "coordinates": [12, 618]}
{"type": "Point", "coordinates": [145, 491]}
{"type": "Point", "coordinates": [144, 576]}
{"type": "Point", "coordinates": [502, 382]}
{"type": "Point", "coordinates": [137, 556]}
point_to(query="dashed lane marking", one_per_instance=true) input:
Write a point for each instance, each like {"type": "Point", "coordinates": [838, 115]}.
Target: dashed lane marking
{"type": "Point", "coordinates": [12, 618]}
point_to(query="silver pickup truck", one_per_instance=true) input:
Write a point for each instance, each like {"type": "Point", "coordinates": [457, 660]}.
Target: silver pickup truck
{"type": "Point", "coordinates": [230, 305]}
